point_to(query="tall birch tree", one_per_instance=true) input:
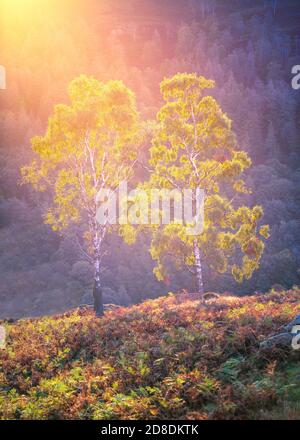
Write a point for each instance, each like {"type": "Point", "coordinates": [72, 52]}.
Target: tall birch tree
{"type": "Point", "coordinates": [88, 147]}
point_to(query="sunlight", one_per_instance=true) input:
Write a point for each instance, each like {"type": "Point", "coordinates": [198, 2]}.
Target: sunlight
{"type": "Point", "coordinates": [19, 13]}
{"type": "Point", "coordinates": [27, 10]}
{"type": "Point", "coordinates": [17, 6]}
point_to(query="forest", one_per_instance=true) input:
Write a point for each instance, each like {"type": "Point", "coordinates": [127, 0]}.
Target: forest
{"type": "Point", "coordinates": [248, 48]}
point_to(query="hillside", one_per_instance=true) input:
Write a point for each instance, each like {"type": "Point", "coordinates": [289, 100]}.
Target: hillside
{"type": "Point", "coordinates": [164, 359]}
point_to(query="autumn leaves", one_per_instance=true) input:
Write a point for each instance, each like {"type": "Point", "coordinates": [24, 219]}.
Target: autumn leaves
{"type": "Point", "coordinates": [96, 141]}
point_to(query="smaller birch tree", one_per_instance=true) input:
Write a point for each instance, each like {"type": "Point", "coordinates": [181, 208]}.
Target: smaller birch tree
{"type": "Point", "coordinates": [194, 147]}
{"type": "Point", "coordinates": [88, 146]}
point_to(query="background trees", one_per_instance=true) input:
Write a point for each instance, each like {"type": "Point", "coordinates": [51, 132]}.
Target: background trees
{"type": "Point", "coordinates": [107, 39]}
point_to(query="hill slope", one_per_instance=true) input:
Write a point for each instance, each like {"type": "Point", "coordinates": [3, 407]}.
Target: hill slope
{"type": "Point", "coordinates": [162, 359]}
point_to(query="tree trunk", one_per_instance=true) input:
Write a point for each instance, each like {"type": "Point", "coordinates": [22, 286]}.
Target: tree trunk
{"type": "Point", "coordinates": [97, 291]}
{"type": "Point", "coordinates": [198, 266]}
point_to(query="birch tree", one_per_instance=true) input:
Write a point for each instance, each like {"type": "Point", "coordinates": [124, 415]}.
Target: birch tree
{"type": "Point", "coordinates": [88, 146]}
{"type": "Point", "coordinates": [194, 147]}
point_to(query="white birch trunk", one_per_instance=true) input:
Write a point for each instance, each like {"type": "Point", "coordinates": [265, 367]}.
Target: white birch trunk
{"type": "Point", "coordinates": [198, 266]}
{"type": "Point", "coordinates": [97, 291]}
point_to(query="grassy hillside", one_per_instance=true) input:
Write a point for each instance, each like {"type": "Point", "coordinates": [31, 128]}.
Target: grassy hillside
{"type": "Point", "coordinates": [165, 358]}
